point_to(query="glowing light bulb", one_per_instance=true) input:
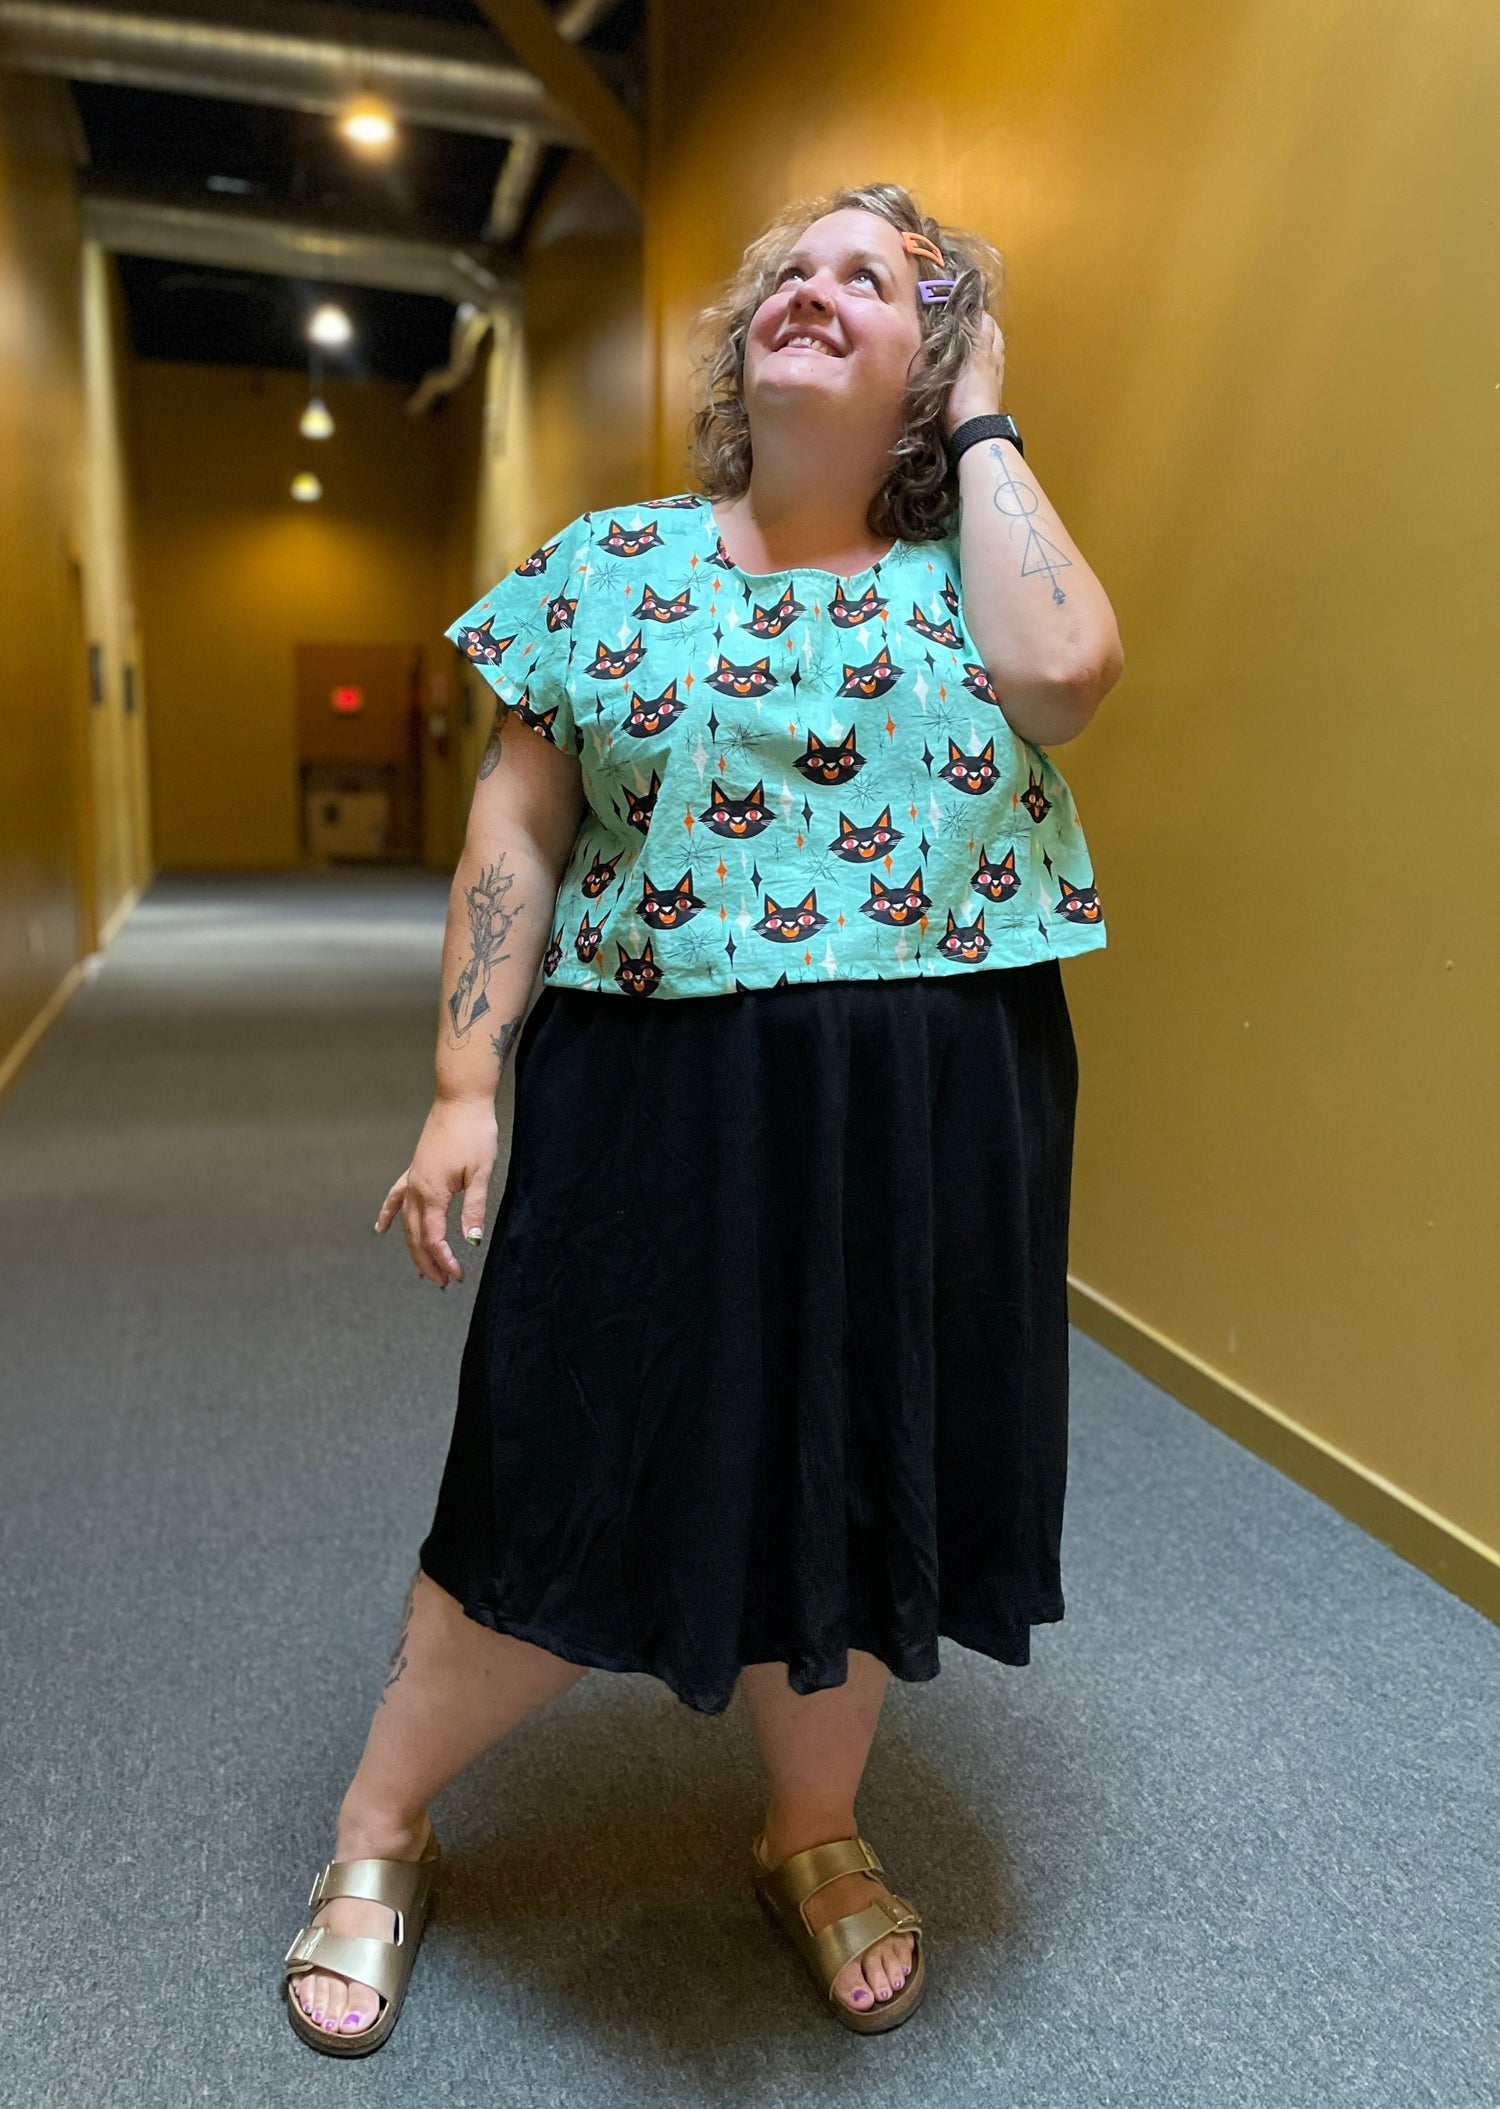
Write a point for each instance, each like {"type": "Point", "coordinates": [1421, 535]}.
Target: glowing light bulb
{"type": "Point", "coordinates": [306, 488]}
{"type": "Point", "coordinates": [316, 421]}
{"type": "Point", "coordinates": [330, 325]}
{"type": "Point", "coordinates": [369, 124]}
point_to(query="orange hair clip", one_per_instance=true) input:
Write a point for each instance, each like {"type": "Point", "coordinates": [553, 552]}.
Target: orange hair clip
{"type": "Point", "coordinates": [918, 245]}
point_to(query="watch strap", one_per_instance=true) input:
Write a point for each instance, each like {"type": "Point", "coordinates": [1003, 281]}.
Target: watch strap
{"type": "Point", "coordinates": [975, 429]}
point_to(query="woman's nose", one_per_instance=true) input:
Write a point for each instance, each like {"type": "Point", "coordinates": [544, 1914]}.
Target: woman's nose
{"type": "Point", "coordinates": [811, 293]}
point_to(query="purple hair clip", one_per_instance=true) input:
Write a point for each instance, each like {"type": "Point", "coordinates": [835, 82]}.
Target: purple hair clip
{"type": "Point", "coordinates": [936, 292]}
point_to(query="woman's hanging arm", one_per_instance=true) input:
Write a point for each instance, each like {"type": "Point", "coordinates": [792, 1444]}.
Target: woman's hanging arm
{"type": "Point", "coordinates": [527, 805]}
{"type": "Point", "coordinates": [528, 801]}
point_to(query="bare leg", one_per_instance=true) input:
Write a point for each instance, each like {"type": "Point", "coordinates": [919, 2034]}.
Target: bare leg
{"type": "Point", "coordinates": [454, 1688]}
{"type": "Point", "coordinates": [814, 1748]}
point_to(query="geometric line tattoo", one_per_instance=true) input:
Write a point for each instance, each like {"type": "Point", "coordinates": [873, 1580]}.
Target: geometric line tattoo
{"type": "Point", "coordinates": [1019, 501]}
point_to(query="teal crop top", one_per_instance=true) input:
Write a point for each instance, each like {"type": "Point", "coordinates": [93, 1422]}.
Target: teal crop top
{"type": "Point", "coordinates": [791, 777]}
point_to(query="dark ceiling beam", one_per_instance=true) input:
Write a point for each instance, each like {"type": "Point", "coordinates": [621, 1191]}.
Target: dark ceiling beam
{"type": "Point", "coordinates": [611, 134]}
{"type": "Point", "coordinates": [292, 56]}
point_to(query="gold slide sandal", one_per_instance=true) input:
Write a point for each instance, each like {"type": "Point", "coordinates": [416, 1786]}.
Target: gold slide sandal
{"type": "Point", "coordinates": [406, 1887]}
{"type": "Point", "coordinates": [784, 1890]}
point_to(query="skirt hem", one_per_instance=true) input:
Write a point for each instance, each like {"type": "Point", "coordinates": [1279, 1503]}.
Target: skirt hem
{"type": "Point", "coordinates": [915, 1665]}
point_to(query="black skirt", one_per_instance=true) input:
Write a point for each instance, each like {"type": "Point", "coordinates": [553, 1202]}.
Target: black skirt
{"type": "Point", "coordinates": [769, 1356]}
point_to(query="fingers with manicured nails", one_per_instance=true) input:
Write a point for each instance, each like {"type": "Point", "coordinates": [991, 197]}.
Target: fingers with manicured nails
{"type": "Point", "coordinates": [435, 1244]}
{"type": "Point", "coordinates": [414, 1221]}
{"type": "Point", "coordinates": [472, 1214]}
{"type": "Point", "coordinates": [392, 1202]}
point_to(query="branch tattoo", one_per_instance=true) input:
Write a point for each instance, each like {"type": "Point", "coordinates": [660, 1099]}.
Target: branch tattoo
{"type": "Point", "coordinates": [489, 926]}
{"type": "Point", "coordinates": [1018, 501]}
{"type": "Point", "coordinates": [398, 1652]}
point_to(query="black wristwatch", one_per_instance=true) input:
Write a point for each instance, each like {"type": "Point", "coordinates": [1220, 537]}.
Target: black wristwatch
{"type": "Point", "coordinates": [974, 429]}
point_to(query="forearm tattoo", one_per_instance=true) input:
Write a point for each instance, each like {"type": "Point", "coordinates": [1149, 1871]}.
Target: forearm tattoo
{"type": "Point", "coordinates": [489, 926]}
{"type": "Point", "coordinates": [398, 1652]}
{"type": "Point", "coordinates": [504, 1040]}
{"type": "Point", "coordinates": [1018, 501]}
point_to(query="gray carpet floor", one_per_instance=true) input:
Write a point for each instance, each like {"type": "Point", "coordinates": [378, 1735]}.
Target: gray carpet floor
{"type": "Point", "coordinates": [1229, 1839]}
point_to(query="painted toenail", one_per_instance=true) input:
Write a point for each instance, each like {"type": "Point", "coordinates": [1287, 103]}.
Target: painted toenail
{"type": "Point", "coordinates": [861, 1995]}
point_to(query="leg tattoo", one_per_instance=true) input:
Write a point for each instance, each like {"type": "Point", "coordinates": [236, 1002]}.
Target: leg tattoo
{"type": "Point", "coordinates": [398, 1652]}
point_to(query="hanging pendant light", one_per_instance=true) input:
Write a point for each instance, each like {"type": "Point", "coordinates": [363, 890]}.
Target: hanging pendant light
{"type": "Point", "coordinates": [316, 421]}
{"type": "Point", "coordinates": [306, 488]}
{"type": "Point", "coordinates": [330, 325]}
{"type": "Point", "coordinates": [369, 123]}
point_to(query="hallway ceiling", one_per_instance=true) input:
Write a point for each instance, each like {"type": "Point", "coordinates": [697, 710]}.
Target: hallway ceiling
{"type": "Point", "coordinates": [252, 158]}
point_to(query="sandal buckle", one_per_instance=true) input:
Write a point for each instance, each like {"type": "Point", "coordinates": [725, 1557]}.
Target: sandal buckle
{"type": "Point", "coordinates": [303, 1947]}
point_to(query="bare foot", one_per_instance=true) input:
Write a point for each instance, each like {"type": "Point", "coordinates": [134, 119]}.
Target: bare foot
{"type": "Point", "coordinates": [342, 2005]}
{"type": "Point", "coordinates": [874, 1977]}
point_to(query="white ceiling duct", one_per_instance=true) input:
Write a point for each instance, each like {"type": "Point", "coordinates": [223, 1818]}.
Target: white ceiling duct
{"type": "Point", "coordinates": [290, 56]}
{"type": "Point", "coordinates": [241, 241]}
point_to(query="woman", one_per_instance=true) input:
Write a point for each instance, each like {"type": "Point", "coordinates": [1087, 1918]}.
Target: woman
{"type": "Point", "coordinates": [766, 1376]}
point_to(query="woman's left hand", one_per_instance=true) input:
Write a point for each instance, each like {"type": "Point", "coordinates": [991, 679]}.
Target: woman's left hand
{"type": "Point", "coordinates": [977, 391]}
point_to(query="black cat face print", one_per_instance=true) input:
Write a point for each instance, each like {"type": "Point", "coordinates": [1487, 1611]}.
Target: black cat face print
{"type": "Point", "coordinates": [796, 777]}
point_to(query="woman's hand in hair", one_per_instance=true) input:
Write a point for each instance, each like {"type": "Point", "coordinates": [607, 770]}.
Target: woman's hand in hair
{"type": "Point", "coordinates": [977, 391]}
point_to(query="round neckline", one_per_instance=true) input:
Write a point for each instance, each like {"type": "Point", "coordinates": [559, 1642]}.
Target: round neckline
{"type": "Point", "coordinates": [795, 571]}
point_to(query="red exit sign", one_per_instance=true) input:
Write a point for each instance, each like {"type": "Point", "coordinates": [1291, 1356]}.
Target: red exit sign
{"type": "Point", "coordinates": [347, 700]}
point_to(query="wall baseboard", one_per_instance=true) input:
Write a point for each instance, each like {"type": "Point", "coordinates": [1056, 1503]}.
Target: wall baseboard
{"type": "Point", "coordinates": [1461, 1563]}
{"type": "Point", "coordinates": [15, 1057]}
{"type": "Point", "coordinates": [110, 931]}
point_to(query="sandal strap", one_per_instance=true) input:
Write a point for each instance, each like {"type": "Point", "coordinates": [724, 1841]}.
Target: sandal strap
{"type": "Point", "coordinates": [849, 1937]}
{"type": "Point", "coordinates": [801, 1874]}
{"type": "Point", "coordinates": [384, 1964]}
{"type": "Point", "coordinates": [398, 1884]}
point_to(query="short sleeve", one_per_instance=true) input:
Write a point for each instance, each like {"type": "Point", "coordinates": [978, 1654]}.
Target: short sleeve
{"type": "Point", "coordinates": [520, 635]}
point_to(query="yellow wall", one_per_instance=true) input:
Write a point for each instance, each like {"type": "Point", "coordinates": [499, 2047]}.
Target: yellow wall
{"type": "Point", "coordinates": [73, 837]}
{"type": "Point", "coordinates": [1251, 346]}
{"type": "Point", "coordinates": [566, 419]}
{"type": "Point", "coordinates": [119, 787]}
{"type": "Point", "coordinates": [235, 575]}
{"type": "Point", "coordinates": [418, 517]}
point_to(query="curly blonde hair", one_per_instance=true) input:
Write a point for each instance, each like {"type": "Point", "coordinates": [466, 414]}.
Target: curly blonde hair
{"type": "Point", "coordinates": [919, 496]}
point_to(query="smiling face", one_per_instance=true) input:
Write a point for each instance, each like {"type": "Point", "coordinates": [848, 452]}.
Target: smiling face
{"type": "Point", "coordinates": [840, 327]}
